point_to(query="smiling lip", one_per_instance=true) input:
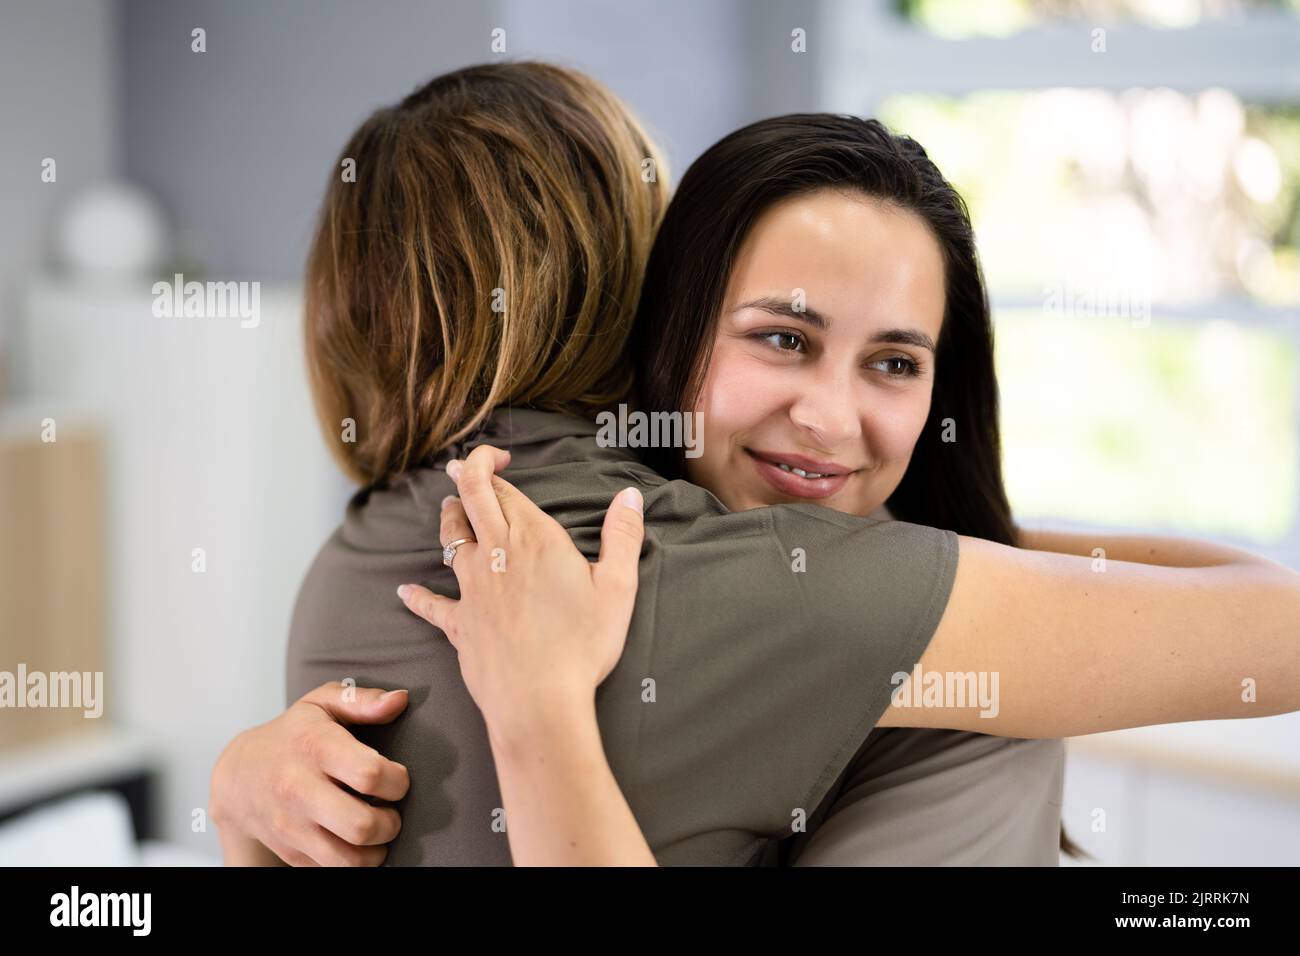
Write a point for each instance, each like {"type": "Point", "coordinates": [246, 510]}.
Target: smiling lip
{"type": "Point", "coordinates": [787, 482]}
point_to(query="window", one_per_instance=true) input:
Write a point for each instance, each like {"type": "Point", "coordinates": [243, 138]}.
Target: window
{"type": "Point", "coordinates": [961, 18]}
{"type": "Point", "coordinates": [1132, 168]}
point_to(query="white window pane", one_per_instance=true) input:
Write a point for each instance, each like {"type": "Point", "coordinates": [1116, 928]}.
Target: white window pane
{"type": "Point", "coordinates": [1177, 425]}
{"type": "Point", "coordinates": [1153, 194]}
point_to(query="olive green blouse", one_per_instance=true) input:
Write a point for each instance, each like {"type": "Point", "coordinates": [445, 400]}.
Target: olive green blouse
{"type": "Point", "coordinates": [758, 661]}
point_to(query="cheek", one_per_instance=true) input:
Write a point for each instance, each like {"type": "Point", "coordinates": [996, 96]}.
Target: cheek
{"type": "Point", "coordinates": [897, 430]}
{"type": "Point", "coordinates": [738, 393]}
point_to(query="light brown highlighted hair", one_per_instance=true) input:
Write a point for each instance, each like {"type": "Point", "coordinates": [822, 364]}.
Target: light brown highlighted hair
{"type": "Point", "coordinates": [489, 252]}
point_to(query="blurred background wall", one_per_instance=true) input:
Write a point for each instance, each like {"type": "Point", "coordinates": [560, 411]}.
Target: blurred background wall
{"type": "Point", "coordinates": [1132, 167]}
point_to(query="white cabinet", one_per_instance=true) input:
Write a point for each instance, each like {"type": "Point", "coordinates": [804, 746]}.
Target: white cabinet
{"type": "Point", "coordinates": [213, 461]}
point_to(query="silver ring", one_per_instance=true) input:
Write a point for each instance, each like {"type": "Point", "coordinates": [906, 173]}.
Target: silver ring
{"type": "Point", "coordinates": [449, 552]}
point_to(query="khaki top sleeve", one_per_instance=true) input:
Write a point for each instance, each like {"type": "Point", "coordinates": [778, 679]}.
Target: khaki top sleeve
{"type": "Point", "coordinates": [758, 658]}
{"type": "Point", "coordinates": [762, 647]}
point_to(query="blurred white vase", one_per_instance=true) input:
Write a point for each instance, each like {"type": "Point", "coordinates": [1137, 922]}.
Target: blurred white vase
{"type": "Point", "coordinates": [113, 230]}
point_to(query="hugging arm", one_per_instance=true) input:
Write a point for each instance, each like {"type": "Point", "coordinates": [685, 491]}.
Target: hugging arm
{"type": "Point", "coordinates": [275, 790]}
{"type": "Point", "coordinates": [1082, 645]}
{"type": "Point", "coordinates": [537, 629]}
{"type": "Point", "coordinates": [1165, 552]}
{"type": "Point", "coordinates": [1077, 650]}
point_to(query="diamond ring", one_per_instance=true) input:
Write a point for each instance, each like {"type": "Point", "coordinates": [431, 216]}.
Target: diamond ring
{"type": "Point", "coordinates": [449, 552]}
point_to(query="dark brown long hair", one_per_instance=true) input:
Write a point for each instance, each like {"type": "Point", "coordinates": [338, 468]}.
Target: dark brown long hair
{"type": "Point", "coordinates": [956, 485]}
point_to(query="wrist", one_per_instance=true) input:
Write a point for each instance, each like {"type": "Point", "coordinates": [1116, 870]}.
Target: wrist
{"type": "Point", "coordinates": [539, 724]}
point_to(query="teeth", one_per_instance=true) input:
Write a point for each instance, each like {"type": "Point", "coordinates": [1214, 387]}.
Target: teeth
{"type": "Point", "coordinates": [799, 471]}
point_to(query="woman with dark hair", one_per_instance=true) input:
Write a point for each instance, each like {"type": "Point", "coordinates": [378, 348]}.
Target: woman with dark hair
{"type": "Point", "coordinates": [948, 484]}
{"type": "Point", "coordinates": [798, 257]}
{"type": "Point", "coordinates": [768, 632]}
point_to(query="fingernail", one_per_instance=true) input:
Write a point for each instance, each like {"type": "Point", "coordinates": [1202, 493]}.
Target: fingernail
{"type": "Point", "coordinates": [453, 469]}
{"type": "Point", "coordinates": [447, 500]}
{"type": "Point", "coordinates": [403, 590]}
{"type": "Point", "coordinates": [631, 498]}
{"type": "Point", "coordinates": [390, 693]}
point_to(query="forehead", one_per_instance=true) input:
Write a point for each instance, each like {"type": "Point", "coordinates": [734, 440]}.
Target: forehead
{"type": "Point", "coordinates": [854, 257]}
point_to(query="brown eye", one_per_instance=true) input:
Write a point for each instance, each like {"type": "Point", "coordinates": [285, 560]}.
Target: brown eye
{"type": "Point", "coordinates": [898, 366]}
{"type": "Point", "coordinates": [783, 341]}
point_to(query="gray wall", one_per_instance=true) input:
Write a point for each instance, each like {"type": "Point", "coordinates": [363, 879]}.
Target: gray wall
{"type": "Point", "coordinates": [57, 99]}
{"type": "Point", "coordinates": [238, 141]}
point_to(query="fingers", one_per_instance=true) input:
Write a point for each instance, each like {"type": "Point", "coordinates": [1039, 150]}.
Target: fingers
{"type": "Point", "coordinates": [475, 486]}
{"type": "Point", "coordinates": [514, 504]}
{"type": "Point", "coordinates": [351, 819]}
{"type": "Point", "coordinates": [473, 478]}
{"type": "Point", "coordinates": [500, 457]}
{"type": "Point", "coordinates": [319, 847]}
{"type": "Point", "coordinates": [455, 526]}
{"type": "Point", "coordinates": [434, 608]}
{"type": "Point", "coordinates": [455, 521]}
{"type": "Point", "coordinates": [620, 541]}
{"type": "Point", "coordinates": [347, 760]}
{"type": "Point", "coordinates": [357, 705]}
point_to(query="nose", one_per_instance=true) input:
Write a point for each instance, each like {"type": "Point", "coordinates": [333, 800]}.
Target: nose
{"type": "Point", "coordinates": [826, 411]}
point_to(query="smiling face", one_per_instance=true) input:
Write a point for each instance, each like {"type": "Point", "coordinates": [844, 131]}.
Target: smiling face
{"type": "Point", "coordinates": [838, 384]}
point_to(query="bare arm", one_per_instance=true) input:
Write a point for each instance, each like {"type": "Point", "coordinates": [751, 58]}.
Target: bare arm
{"type": "Point", "coordinates": [1078, 647]}
{"type": "Point", "coordinates": [537, 629]}
{"type": "Point", "coordinates": [563, 805]}
{"type": "Point", "coordinates": [1167, 552]}
{"type": "Point", "coordinates": [1078, 650]}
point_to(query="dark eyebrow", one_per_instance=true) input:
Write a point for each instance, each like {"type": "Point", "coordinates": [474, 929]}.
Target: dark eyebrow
{"type": "Point", "coordinates": [778, 306]}
{"type": "Point", "coordinates": [905, 337]}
